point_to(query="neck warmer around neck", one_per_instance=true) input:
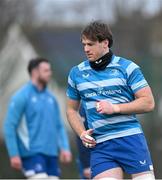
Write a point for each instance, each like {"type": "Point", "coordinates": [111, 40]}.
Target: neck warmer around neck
{"type": "Point", "coordinates": [102, 62]}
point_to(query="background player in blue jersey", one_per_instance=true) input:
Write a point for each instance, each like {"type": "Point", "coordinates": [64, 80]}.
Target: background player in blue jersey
{"type": "Point", "coordinates": [112, 90]}
{"type": "Point", "coordinates": [83, 152]}
{"type": "Point", "coordinates": [34, 132]}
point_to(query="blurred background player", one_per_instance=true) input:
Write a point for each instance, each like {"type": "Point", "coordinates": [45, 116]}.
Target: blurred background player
{"type": "Point", "coordinates": [34, 132]}
{"type": "Point", "coordinates": [84, 153]}
{"type": "Point", "coordinates": [112, 89]}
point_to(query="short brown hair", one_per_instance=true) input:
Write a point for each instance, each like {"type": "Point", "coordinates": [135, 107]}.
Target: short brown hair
{"type": "Point", "coordinates": [34, 63]}
{"type": "Point", "coordinates": [98, 31]}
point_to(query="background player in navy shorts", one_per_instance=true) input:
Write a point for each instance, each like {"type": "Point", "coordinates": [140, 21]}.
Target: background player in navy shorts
{"type": "Point", "coordinates": [34, 132]}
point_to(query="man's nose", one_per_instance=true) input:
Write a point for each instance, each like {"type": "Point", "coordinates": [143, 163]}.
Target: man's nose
{"type": "Point", "coordinates": [86, 48]}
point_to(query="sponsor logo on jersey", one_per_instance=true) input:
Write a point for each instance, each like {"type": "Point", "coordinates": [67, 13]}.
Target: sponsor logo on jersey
{"type": "Point", "coordinates": [142, 162]}
{"type": "Point", "coordinates": [101, 91]}
{"type": "Point", "coordinates": [114, 72]}
{"type": "Point", "coordinates": [86, 75]}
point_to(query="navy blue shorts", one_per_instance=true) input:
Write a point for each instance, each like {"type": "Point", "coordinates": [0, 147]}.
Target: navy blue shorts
{"type": "Point", "coordinates": [130, 153]}
{"type": "Point", "coordinates": [40, 163]}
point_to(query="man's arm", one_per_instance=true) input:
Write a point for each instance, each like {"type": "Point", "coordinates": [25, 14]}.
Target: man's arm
{"type": "Point", "coordinates": [74, 117]}
{"type": "Point", "coordinates": [13, 117]}
{"type": "Point", "coordinates": [73, 103]}
{"type": "Point", "coordinates": [64, 147]}
{"type": "Point", "coordinates": [143, 103]}
{"type": "Point", "coordinates": [77, 125]}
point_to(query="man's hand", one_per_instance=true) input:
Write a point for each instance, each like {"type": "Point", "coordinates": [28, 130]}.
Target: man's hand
{"type": "Point", "coordinates": [16, 162]}
{"type": "Point", "coordinates": [87, 173]}
{"type": "Point", "coordinates": [87, 140]}
{"type": "Point", "coordinates": [106, 107]}
{"type": "Point", "coordinates": [65, 156]}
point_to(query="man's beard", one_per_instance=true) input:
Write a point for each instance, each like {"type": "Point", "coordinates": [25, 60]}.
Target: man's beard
{"type": "Point", "coordinates": [42, 82]}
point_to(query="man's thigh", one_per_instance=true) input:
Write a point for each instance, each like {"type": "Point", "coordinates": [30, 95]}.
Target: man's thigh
{"type": "Point", "coordinates": [102, 159]}
{"type": "Point", "coordinates": [33, 165]}
{"type": "Point", "coordinates": [149, 175]}
{"type": "Point", "coordinates": [129, 153]}
{"type": "Point", "coordinates": [53, 168]}
{"type": "Point", "coordinates": [111, 174]}
{"type": "Point", "coordinates": [133, 154]}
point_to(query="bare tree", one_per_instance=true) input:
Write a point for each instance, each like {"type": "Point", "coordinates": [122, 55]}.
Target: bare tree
{"type": "Point", "coordinates": [15, 11]}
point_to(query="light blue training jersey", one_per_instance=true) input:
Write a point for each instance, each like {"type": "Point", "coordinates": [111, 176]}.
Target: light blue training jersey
{"type": "Point", "coordinates": [33, 123]}
{"type": "Point", "coordinates": [118, 83]}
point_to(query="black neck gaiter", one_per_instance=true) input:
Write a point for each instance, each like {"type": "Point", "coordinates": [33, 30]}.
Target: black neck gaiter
{"type": "Point", "coordinates": [102, 62]}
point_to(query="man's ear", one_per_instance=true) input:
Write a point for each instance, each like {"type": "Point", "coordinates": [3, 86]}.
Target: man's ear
{"type": "Point", "coordinates": [34, 72]}
{"type": "Point", "coordinates": [105, 43]}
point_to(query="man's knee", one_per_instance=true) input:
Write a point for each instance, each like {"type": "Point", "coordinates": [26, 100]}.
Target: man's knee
{"type": "Point", "coordinates": [148, 176]}
{"type": "Point", "coordinates": [111, 174]}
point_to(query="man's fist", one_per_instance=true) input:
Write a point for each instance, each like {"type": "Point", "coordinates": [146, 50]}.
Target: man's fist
{"type": "Point", "coordinates": [106, 107]}
{"type": "Point", "coordinates": [16, 162]}
{"type": "Point", "coordinates": [87, 173]}
{"type": "Point", "coordinates": [87, 140]}
{"type": "Point", "coordinates": [65, 156]}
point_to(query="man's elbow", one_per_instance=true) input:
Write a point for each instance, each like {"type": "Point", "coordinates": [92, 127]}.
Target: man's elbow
{"type": "Point", "coordinates": [69, 112]}
{"type": "Point", "coordinates": [150, 106]}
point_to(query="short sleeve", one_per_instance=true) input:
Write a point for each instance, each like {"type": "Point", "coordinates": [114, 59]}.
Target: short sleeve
{"type": "Point", "coordinates": [72, 91]}
{"type": "Point", "coordinates": [136, 80]}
